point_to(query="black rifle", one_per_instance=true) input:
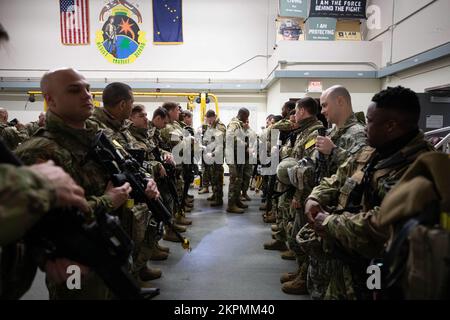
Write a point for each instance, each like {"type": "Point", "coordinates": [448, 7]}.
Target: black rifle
{"type": "Point", "coordinates": [127, 169]}
{"type": "Point", "coordinates": [170, 177]}
{"type": "Point", "coordinates": [321, 162]}
{"type": "Point", "coordinates": [100, 244]}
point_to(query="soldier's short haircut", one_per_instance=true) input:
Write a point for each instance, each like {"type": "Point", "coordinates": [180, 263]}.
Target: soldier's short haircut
{"type": "Point", "coordinates": [210, 113]}
{"type": "Point", "coordinates": [243, 112]}
{"type": "Point", "coordinates": [290, 105]}
{"type": "Point", "coordinates": [402, 101]}
{"type": "Point", "coordinates": [137, 108]}
{"type": "Point", "coordinates": [277, 118]}
{"type": "Point", "coordinates": [187, 113]}
{"type": "Point", "coordinates": [169, 106]}
{"type": "Point", "coordinates": [292, 113]}
{"type": "Point", "coordinates": [340, 91]}
{"type": "Point", "coordinates": [309, 104]}
{"type": "Point", "coordinates": [160, 112]}
{"type": "Point", "coordinates": [270, 116]}
{"type": "Point", "coordinates": [114, 93]}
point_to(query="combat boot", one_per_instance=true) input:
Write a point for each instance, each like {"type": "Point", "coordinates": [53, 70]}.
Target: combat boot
{"type": "Point", "coordinates": [179, 228]}
{"type": "Point", "coordinates": [187, 209]}
{"type": "Point", "coordinates": [296, 286]}
{"type": "Point", "coordinates": [162, 248]}
{"type": "Point", "coordinates": [274, 228]}
{"type": "Point", "coordinates": [234, 209]}
{"type": "Point", "coordinates": [275, 245]}
{"type": "Point", "coordinates": [241, 205]}
{"type": "Point", "coordinates": [190, 196]}
{"type": "Point", "coordinates": [159, 255]}
{"type": "Point", "coordinates": [269, 218]}
{"type": "Point", "coordinates": [147, 274]}
{"type": "Point", "coordinates": [246, 197]}
{"type": "Point", "coordinates": [288, 255]}
{"type": "Point", "coordinates": [169, 235]}
{"type": "Point", "coordinates": [211, 197]}
{"type": "Point", "coordinates": [289, 276]}
{"type": "Point", "coordinates": [183, 221]}
{"type": "Point", "coordinates": [263, 207]}
{"type": "Point", "coordinates": [188, 204]}
{"type": "Point", "coordinates": [203, 190]}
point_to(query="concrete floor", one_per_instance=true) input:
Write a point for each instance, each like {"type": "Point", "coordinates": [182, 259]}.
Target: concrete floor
{"type": "Point", "coordinates": [227, 260]}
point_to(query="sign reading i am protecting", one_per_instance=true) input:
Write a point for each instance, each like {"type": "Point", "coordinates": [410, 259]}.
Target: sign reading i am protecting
{"type": "Point", "coordinates": [293, 8]}
{"type": "Point", "coordinates": [320, 29]}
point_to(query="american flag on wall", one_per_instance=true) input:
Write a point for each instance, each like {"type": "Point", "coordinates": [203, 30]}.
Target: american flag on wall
{"type": "Point", "coordinates": [74, 21]}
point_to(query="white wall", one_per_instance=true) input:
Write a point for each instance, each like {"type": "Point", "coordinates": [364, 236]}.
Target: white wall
{"type": "Point", "coordinates": [218, 35]}
{"type": "Point", "coordinates": [430, 75]}
{"type": "Point", "coordinates": [422, 31]}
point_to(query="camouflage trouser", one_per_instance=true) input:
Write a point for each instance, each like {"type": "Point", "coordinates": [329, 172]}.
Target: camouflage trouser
{"type": "Point", "coordinates": [206, 175]}
{"type": "Point", "coordinates": [235, 186]}
{"type": "Point", "coordinates": [92, 288]}
{"type": "Point", "coordinates": [283, 216]}
{"type": "Point", "coordinates": [180, 189]}
{"type": "Point", "coordinates": [331, 278]}
{"type": "Point", "coordinates": [143, 236]}
{"type": "Point", "coordinates": [292, 230]}
{"type": "Point", "coordinates": [248, 171]}
{"type": "Point", "coordinates": [216, 175]}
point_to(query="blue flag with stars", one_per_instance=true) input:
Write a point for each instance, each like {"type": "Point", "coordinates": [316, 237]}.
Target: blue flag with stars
{"type": "Point", "coordinates": [167, 22]}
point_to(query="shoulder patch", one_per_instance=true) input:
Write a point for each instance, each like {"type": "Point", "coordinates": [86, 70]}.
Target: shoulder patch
{"type": "Point", "coordinates": [310, 143]}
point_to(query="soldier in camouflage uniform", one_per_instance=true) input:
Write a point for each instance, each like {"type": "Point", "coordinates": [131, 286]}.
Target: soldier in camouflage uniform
{"type": "Point", "coordinates": [214, 140]}
{"type": "Point", "coordinates": [12, 135]}
{"type": "Point", "coordinates": [26, 194]}
{"type": "Point", "coordinates": [341, 206]}
{"type": "Point", "coordinates": [280, 205]}
{"type": "Point", "coordinates": [303, 140]}
{"type": "Point", "coordinates": [172, 136]}
{"type": "Point", "coordinates": [113, 119]}
{"type": "Point", "coordinates": [344, 140]}
{"type": "Point", "coordinates": [67, 139]}
{"type": "Point", "coordinates": [33, 126]}
{"type": "Point", "coordinates": [235, 142]}
{"type": "Point", "coordinates": [139, 130]}
{"type": "Point", "coordinates": [251, 140]}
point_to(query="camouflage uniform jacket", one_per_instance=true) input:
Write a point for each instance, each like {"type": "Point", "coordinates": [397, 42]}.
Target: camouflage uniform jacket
{"type": "Point", "coordinates": [306, 139]}
{"type": "Point", "coordinates": [70, 149]}
{"type": "Point", "coordinates": [32, 127]}
{"type": "Point", "coordinates": [348, 140]}
{"type": "Point", "coordinates": [235, 136]}
{"type": "Point", "coordinates": [304, 148]}
{"type": "Point", "coordinates": [114, 129]}
{"type": "Point", "coordinates": [358, 189]}
{"type": "Point", "coordinates": [144, 142]}
{"type": "Point", "coordinates": [12, 136]}
{"type": "Point", "coordinates": [24, 198]}
{"type": "Point", "coordinates": [353, 230]}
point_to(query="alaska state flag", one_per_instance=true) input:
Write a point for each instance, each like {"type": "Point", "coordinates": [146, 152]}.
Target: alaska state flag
{"type": "Point", "coordinates": [167, 22]}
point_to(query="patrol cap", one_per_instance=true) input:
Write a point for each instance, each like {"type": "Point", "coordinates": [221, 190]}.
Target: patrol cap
{"type": "Point", "coordinates": [282, 170]}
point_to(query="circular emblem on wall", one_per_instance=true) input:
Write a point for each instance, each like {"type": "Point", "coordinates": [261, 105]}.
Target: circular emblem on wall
{"type": "Point", "coordinates": [120, 40]}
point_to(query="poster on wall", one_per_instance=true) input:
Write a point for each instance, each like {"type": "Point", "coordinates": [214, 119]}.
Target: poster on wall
{"type": "Point", "coordinates": [290, 29]}
{"type": "Point", "coordinates": [120, 39]}
{"type": "Point", "coordinates": [338, 9]}
{"type": "Point", "coordinates": [74, 22]}
{"type": "Point", "coordinates": [348, 30]}
{"type": "Point", "coordinates": [293, 8]}
{"type": "Point", "coordinates": [320, 29]}
{"type": "Point", "coordinates": [167, 22]}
